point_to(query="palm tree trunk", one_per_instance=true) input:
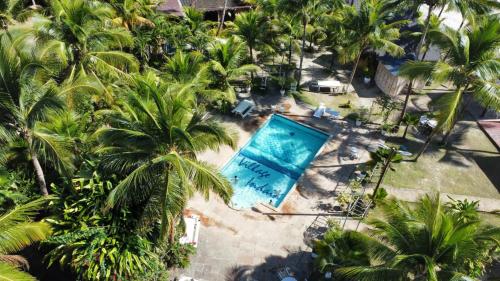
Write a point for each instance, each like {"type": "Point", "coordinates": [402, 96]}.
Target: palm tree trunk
{"type": "Point", "coordinates": [387, 163]}
{"type": "Point", "coordinates": [171, 233]}
{"type": "Point", "coordinates": [441, 11]}
{"type": "Point", "coordinates": [406, 131]}
{"type": "Point", "coordinates": [304, 23]}
{"type": "Point", "coordinates": [351, 78]}
{"type": "Point", "coordinates": [40, 177]}
{"type": "Point", "coordinates": [223, 17]}
{"type": "Point", "coordinates": [290, 47]}
{"type": "Point", "coordinates": [460, 113]}
{"type": "Point", "coordinates": [424, 35]}
{"type": "Point", "coordinates": [405, 104]}
{"type": "Point", "coordinates": [426, 144]}
{"type": "Point", "coordinates": [251, 59]}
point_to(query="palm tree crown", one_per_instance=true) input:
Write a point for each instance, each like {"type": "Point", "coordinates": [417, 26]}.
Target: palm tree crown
{"type": "Point", "coordinates": [17, 231]}
{"type": "Point", "coordinates": [472, 66]}
{"type": "Point", "coordinates": [428, 242]}
{"type": "Point", "coordinates": [153, 139]}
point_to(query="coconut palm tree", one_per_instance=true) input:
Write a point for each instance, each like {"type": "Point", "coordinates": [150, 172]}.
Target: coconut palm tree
{"type": "Point", "coordinates": [384, 156]}
{"type": "Point", "coordinates": [301, 9]}
{"type": "Point", "coordinates": [369, 29]}
{"type": "Point", "coordinates": [95, 48]}
{"type": "Point", "coordinates": [133, 13]}
{"type": "Point", "coordinates": [153, 139]}
{"type": "Point", "coordinates": [428, 242]}
{"type": "Point", "coordinates": [251, 27]}
{"type": "Point", "coordinates": [472, 67]}
{"type": "Point", "coordinates": [183, 67]}
{"type": "Point", "coordinates": [17, 231]}
{"type": "Point", "coordinates": [27, 98]}
{"type": "Point", "coordinates": [227, 62]}
{"type": "Point", "coordinates": [409, 120]}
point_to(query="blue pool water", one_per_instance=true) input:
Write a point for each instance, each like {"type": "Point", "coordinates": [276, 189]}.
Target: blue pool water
{"type": "Point", "coordinates": [268, 166]}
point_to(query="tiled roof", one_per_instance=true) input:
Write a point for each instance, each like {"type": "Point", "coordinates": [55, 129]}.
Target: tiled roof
{"type": "Point", "coordinates": [213, 5]}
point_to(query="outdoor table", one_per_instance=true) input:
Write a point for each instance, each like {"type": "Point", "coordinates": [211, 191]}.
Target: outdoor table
{"type": "Point", "coordinates": [330, 84]}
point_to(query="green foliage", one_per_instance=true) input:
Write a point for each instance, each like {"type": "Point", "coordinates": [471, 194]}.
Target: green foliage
{"type": "Point", "coordinates": [428, 241]}
{"type": "Point", "coordinates": [471, 65]}
{"type": "Point", "coordinates": [161, 170]}
{"type": "Point", "coordinates": [93, 243]}
{"type": "Point", "coordinates": [176, 255]}
{"type": "Point", "coordinates": [17, 231]}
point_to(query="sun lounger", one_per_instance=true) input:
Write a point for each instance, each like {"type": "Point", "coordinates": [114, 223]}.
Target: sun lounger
{"type": "Point", "coordinates": [244, 108]}
{"type": "Point", "coordinates": [192, 231]}
{"type": "Point", "coordinates": [318, 113]}
{"type": "Point", "coordinates": [333, 113]}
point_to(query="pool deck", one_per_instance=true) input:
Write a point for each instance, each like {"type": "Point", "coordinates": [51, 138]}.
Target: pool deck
{"type": "Point", "coordinates": [254, 244]}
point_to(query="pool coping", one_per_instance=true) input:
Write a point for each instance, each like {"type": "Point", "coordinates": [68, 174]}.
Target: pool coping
{"type": "Point", "coordinates": [329, 137]}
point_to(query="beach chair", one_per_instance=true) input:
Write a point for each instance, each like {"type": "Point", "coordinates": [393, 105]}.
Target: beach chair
{"type": "Point", "coordinates": [244, 108]}
{"type": "Point", "coordinates": [320, 111]}
{"type": "Point", "coordinates": [334, 115]}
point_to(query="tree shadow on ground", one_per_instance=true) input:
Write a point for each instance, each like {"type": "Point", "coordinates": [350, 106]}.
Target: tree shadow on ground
{"type": "Point", "coordinates": [297, 260]}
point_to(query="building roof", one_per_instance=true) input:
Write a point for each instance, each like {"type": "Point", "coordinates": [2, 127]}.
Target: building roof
{"type": "Point", "coordinates": [173, 7]}
{"type": "Point", "coordinates": [492, 129]}
{"type": "Point", "coordinates": [214, 5]}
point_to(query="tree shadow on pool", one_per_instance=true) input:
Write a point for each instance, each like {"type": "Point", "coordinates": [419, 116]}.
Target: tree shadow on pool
{"type": "Point", "coordinates": [297, 260]}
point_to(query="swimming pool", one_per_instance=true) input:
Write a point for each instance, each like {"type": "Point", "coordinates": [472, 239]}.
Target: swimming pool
{"type": "Point", "coordinates": [269, 165]}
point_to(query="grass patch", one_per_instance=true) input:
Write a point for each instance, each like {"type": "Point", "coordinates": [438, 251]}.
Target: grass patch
{"type": "Point", "coordinates": [451, 169]}
{"type": "Point", "coordinates": [334, 102]}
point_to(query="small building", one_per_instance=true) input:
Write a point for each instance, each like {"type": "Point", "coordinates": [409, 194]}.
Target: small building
{"type": "Point", "coordinates": [212, 9]}
{"type": "Point", "coordinates": [387, 76]}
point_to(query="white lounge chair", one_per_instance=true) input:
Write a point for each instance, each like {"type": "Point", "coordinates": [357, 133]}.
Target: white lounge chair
{"type": "Point", "coordinates": [192, 231]}
{"type": "Point", "coordinates": [318, 113]}
{"type": "Point", "coordinates": [244, 108]}
{"type": "Point", "coordinates": [333, 113]}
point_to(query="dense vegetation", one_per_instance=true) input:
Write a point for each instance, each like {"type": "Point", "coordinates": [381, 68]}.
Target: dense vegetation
{"type": "Point", "coordinates": [106, 103]}
{"type": "Point", "coordinates": [429, 241]}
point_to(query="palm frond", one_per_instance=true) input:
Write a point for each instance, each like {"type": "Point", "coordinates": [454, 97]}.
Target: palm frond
{"type": "Point", "coordinates": [12, 273]}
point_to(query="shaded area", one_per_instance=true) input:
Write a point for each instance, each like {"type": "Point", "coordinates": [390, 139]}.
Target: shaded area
{"type": "Point", "coordinates": [298, 261]}
{"type": "Point", "coordinates": [490, 166]}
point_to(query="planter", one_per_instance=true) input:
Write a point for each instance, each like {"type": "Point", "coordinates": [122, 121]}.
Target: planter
{"type": "Point", "coordinates": [282, 92]}
{"type": "Point", "coordinates": [367, 80]}
{"type": "Point", "coordinates": [358, 122]}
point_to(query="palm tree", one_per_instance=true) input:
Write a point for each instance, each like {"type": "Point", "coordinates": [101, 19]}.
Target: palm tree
{"type": "Point", "coordinates": [25, 102]}
{"type": "Point", "coordinates": [250, 27]}
{"type": "Point", "coordinates": [222, 18]}
{"type": "Point", "coordinates": [227, 62]}
{"type": "Point", "coordinates": [17, 231]}
{"type": "Point", "coordinates": [95, 48]}
{"type": "Point", "coordinates": [153, 139]}
{"type": "Point", "coordinates": [183, 67]}
{"type": "Point", "coordinates": [472, 67]}
{"type": "Point", "coordinates": [133, 13]}
{"type": "Point", "coordinates": [337, 37]}
{"type": "Point", "coordinates": [467, 8]}
{"type": "Point", "coordinates": [301, 9]}
{"type": "Point", "coordinates": [409, 120]}
{"type": "Point", "coordinates": [384, 156]}
{"type": "Point", "coordinates": [370, 29]}
{"type": "Point", "coordinates": [427, 242]}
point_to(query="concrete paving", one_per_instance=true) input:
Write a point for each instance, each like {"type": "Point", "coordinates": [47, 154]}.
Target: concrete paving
{"type": "Point", "coordinates": [254, 244]}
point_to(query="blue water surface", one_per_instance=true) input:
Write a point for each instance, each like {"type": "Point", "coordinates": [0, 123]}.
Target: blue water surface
{"type": "Point", "coordinates": [267, 167]}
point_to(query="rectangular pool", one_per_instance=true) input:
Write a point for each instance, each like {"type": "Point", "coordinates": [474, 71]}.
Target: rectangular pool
{"type": "Point", "coordinates": [269, 165]}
